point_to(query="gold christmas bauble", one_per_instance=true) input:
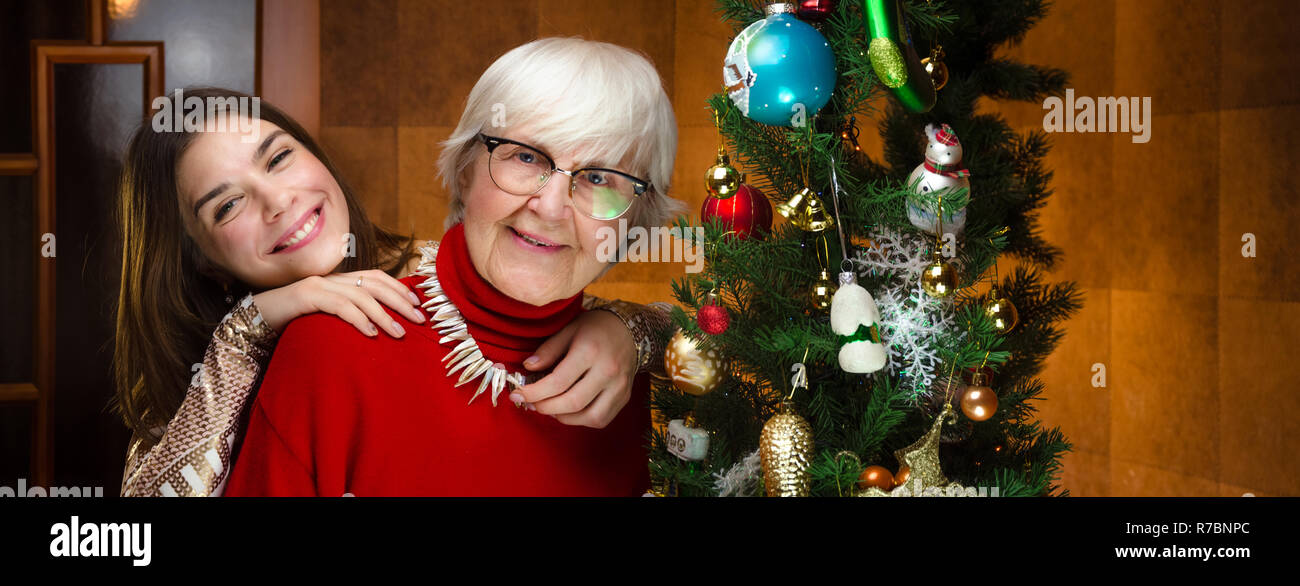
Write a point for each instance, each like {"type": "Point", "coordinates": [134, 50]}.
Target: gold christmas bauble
{"type": "Point", "coordinates": [786, 449]}
{"type": "Point", "coordinates": [938, 72]}
{"type": "Point", "coordinates": [979, 401]}
{"type": "Point", "coordinates": [1001, 312]}
{"type": "Point", "coordinates": [877, 476]}
{"type": "Point", "coordinates": [693, 370]}
{"type": "Point", "coordinates": [939, 279]}
{"type": "Point", "coordinates": [823, 290]}
{"type": "Point", "coordinates": [722, 180]}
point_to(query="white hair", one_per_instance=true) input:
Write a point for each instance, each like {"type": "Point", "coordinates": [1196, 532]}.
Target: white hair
{"type": "Point", "coordinates": [602, 103]}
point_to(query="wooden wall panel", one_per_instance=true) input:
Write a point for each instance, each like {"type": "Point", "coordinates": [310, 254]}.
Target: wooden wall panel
{"type": "Point", "coordinates": [290, 59]}
{"type": "Point", "coordinates": [1154, 232]}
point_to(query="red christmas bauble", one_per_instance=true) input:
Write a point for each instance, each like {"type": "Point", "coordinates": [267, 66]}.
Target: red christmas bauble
{"type": "Point", "coordinates": [746, 214]}
{"type": "Point", "coordinates": [713, 319]}
{"type": "Point", "coordinates": [815, 10]}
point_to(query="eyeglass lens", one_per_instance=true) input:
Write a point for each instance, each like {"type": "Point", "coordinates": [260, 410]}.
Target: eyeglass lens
{"type": "Point", "coordinates": [598, 193]}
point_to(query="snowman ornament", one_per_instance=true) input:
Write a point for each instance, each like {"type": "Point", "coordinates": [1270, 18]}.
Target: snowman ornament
{"type": "Point", "coordinates": [941, 170]}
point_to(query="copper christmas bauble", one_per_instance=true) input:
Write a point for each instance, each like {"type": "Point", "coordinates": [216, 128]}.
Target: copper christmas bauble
{"type": "Point", "coordinates": [722, 180]}
{"type": "Point", "coordinates": [903, 474]}
{"type": "Point", "coordinates": [979, 402]}
{"type": "Point", "coordinates": [746, 214]}
{"type": "Point", "coordinates": [693, 370]}
{"type": "Point", "coordinates": [877, 476]}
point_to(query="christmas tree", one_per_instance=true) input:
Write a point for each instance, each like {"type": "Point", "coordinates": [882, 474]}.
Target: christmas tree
{"type": "Point", "coordinates": [867, 346]}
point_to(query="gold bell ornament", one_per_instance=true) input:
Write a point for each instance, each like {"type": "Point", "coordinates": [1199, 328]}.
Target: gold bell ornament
{"type": "Point", "coordinates": [806, 211]}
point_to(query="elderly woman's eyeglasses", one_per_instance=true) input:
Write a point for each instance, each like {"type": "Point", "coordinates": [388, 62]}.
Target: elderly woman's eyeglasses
{"type": "Point", "coordinates": [601, 194]}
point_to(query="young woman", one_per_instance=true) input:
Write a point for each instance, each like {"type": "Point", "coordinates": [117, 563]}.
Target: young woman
{"type": "Point", "coordinates": [224, 243]}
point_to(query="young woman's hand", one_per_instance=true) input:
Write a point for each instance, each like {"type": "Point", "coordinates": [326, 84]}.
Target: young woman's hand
{"type": "Point", "coordinates": [354, 297]}
{"type": "Point", "coordinates": [593, 382]}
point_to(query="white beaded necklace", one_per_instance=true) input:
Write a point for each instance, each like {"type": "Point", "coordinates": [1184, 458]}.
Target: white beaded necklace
{"type": "Point", "coordinates": [465, 356]}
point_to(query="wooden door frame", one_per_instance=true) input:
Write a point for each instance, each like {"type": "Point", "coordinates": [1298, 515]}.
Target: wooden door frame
{"type": "Point", "coordinates": [42, 164]}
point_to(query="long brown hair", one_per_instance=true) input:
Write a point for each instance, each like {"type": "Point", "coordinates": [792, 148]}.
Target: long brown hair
{"type": "Point", "coordinates": [170, 299]}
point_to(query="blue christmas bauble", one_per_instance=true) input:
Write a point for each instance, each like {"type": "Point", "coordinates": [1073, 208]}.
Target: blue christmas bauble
{"type": "Point", "coordinates": [779, 70]}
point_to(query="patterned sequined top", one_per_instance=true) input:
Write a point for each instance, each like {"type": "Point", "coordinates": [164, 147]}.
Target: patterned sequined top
{"type": "Point", "coordinates": [193, 456]}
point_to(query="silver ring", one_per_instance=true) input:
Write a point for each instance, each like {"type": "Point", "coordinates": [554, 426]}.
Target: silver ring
{"type": "Point", "coordinates": [359, 281]}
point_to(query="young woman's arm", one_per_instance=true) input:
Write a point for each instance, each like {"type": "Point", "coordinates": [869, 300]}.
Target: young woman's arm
{"type": "Point", "coordinates": [193, 455]}
{"type": "Point", "coordinates": [596, 359]}
{"type": "Point", "coordinates": [650, 326]}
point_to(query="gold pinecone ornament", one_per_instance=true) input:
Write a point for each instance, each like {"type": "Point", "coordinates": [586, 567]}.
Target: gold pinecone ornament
{"type": "Point", "coordinates": [786, 449]}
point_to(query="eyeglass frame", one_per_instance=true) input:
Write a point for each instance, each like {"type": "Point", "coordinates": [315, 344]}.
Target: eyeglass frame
{"type": "Point", "coordinates": [492, 142]}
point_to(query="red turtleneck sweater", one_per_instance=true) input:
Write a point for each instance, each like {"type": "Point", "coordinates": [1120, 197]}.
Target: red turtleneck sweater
{"type": "Point", "coordinates": [339, 412]}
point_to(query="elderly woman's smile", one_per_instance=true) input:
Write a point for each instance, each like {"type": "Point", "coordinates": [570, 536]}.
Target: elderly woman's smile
{"type": "Point", "coordinates": [532, 241]}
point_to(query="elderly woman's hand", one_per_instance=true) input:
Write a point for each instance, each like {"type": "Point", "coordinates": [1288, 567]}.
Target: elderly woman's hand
{"type": "Point", "coordinates": [593, 381]}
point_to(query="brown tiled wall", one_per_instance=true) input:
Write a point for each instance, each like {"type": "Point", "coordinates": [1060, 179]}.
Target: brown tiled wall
{"type": "Point", "coordinates": [1193, 336]}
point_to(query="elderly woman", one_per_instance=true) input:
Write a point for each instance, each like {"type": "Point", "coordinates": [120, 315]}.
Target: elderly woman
{"type": "Point", "coordinates": [559, 138]}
